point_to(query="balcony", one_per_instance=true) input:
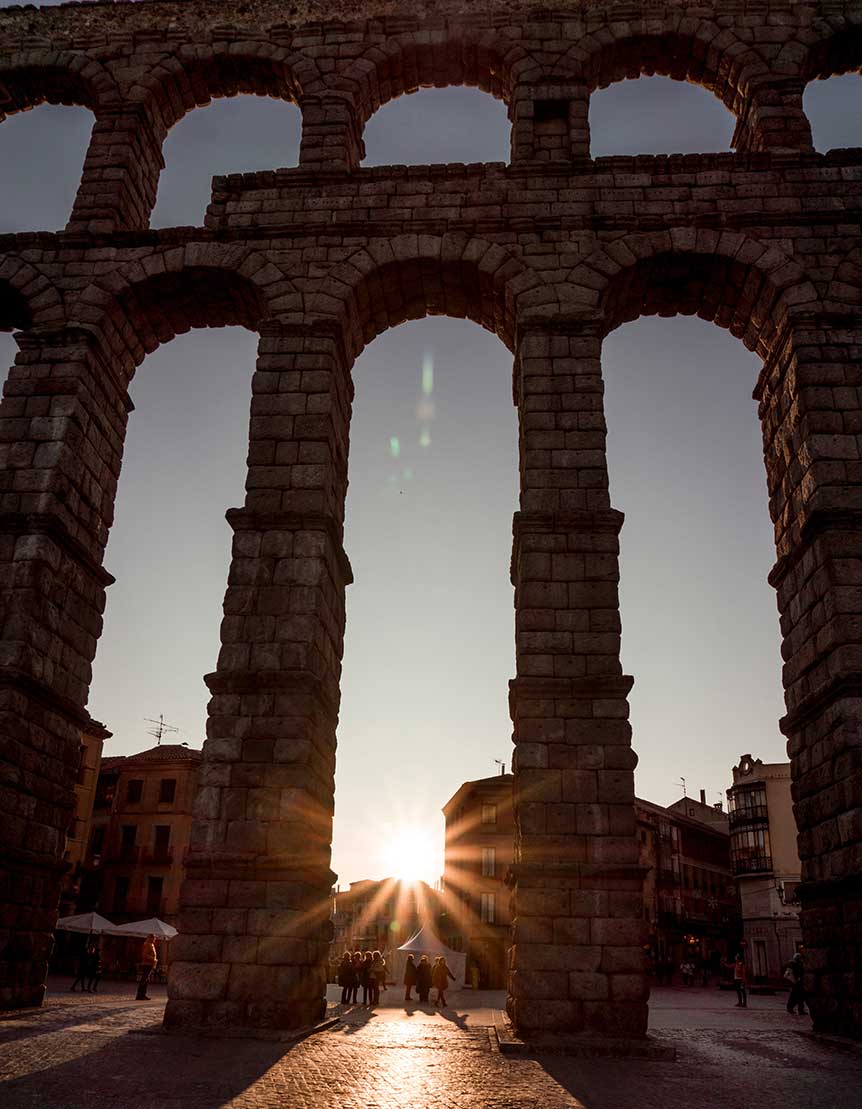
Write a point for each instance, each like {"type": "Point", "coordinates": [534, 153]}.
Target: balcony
{"type": "Point", "coordinates": [157, 856]}
{"type": "Point", "coordinates": [751, 864]}
{"type": "Point", "coordinates": [751, 814]}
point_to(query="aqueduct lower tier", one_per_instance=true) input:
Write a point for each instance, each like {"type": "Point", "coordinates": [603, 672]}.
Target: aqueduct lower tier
{"type": "Point", "coordinates": [551, 253]}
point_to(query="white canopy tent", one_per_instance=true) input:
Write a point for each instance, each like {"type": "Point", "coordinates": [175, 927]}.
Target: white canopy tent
{"type": "Point", "coordinates": [85, 922]}
{"type": "Point", "coordinates": [424, 942]}
{"type": "Point", "coordinates": [151, 927]}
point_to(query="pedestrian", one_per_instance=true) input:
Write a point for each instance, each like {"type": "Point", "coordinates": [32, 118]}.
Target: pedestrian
{"type": "Point", "coordinates": [357, 974]}
{"type": "Point", "coordinates": [346, 977]}
{"type": "Point", "coordinates": [365, 978]}
{"type": "Point", "coordinates": [423, 979]}
{"type": "Point", "coordinates": [377, 976]}
{"type": "Point", "coordinates": [409, 978]}
{"type": "Point", "coordinates": [149, 962]}
{"type": "Point", "coordinates": [704, 971]}
{"type": "Point", "coordinates": [794, 972]}
{"type": "Point", "coordinates": [740, 979]}
{"type": "Point", "coordinates": [440, 976]}
{"type": "Point", "coordinates": [94, 967]}
{"type": "Point", "coordinates": [683, 969]}
{"type": "Point", "coordinates": [83, 971]}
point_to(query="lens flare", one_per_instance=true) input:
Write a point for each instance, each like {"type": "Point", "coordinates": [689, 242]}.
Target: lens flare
{"type": "Point", "coordinates": [428, 374]}
{"type": "Point", "coordinates": [395, 446]}
{"type": "Point", "coordinates": [425, 438]}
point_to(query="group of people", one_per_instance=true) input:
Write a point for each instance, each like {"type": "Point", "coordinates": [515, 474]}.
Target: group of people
{"type": "Point", "coordinates": [90, 968]}
{"type": "Point", "coordinates": [793, 972]}
{"type": "Point", "coordinates": [368, 972]}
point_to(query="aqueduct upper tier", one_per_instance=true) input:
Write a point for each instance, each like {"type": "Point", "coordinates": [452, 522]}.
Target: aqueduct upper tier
{"type": "Point", "coordinates": [551, 252]}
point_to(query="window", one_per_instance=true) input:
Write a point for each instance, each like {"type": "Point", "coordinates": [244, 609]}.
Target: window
{"type": "Point", "coordinates": [121, 893]}
{"type": "Point", "coordinates": [489, 814]}
{"type": "Point", "coordinates": [98, 841]}
{"type": "Point", "coordinates": [135, 791]}
{"type": "Point", "coordinates": [487, 908]}
{"type": "Point", "coordinates": [167, 791]}
{"type": "Point", "coordinates": [128, 835]}
{"type": "Point", "coordinates": [162, 841]}
{"type": "Point", "coordinates": [154, 896]}
{"type": "Point", "coordinates": [489, 861]}
{"type": "Point", "coordinates": [750, 850]}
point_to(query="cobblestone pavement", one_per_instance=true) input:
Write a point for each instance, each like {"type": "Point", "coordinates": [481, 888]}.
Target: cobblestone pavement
{"type": "Point", "coordinates": [81, 1051]}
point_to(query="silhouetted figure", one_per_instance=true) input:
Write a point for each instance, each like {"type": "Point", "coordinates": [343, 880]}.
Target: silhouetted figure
{"type": "Point", "coordinates": [740, 980]}
{"type": "Point", "coordinates": [149, 962]}
{"type": "Point", "coordinates": [440, 976]}
{"type": "Point", "coordinates": [378, 977]}
{"type": "Point", "coordinates": [357, 974]}
{"type": "Point", "coordinates": [83, 971]}
{"type": "Point", "coordinates": [423, 979]}
{"type": "Point", "coordinates": [366, 978]}
{"type": "Point", "coordinates": [409, 978]}
{"type": "Point", "coordinates": [796, 1000]}
{"type": "Point", "coordinates": [346, 977]}
{"type": "Point", "coordinates": [94, 967]}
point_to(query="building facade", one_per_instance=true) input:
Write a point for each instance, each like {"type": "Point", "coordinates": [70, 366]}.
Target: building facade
{"type": "Point", "coordinates": [690, 900]}
{"type": "Point", "coordinates": [766, 863]}
{"type": "Point", "coordinates": [78, 834]}
{"type": "Point", "coordinates": [142, 819]}
{"type": "Point", "coordinates": [479, 850]}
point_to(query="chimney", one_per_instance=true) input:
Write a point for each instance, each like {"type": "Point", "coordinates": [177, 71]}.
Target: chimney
{"type": "Point", "coordinates": [703, 797]}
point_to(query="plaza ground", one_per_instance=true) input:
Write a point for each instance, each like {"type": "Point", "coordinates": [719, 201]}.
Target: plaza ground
{"type": "Point", "coordinates": [81, 1051]}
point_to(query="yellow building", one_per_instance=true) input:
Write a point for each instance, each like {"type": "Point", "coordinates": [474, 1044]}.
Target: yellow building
{"type": "Point", "coordinates": [766, 863]}
{"type": "Point", "coordinates": [78, 834]}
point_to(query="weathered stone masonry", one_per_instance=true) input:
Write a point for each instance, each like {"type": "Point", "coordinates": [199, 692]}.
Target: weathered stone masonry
{"type": "Point", "coordinates": [550, 252]}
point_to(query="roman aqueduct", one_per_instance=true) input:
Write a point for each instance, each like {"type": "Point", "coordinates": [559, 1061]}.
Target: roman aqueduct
{"type": "Point", "coordinates": [550, 252]}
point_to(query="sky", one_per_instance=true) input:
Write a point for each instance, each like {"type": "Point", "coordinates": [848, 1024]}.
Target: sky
{"type": "Point", "coordinates": [433, 485]}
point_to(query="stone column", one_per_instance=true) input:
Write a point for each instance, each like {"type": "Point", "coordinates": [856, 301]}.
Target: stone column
{"type": "Point", "coordinates": [121, 172]}
{"type": "Point", "coordinates": [577, 963]}
{"type": "Point", "coordinates": [331, 132]}
{"type": "Point", "coordinates": [550, 122]}
{"type": "Point", "coordinates": [255, 903]}
{"type": "Point", "coordinates": [773, 118]}
{"type": "Point", "coordinates": [809, 394]}
{"type": "Point", "coordinates": [62, 421]}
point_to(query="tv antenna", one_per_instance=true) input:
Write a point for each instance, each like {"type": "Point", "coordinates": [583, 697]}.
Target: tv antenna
{"type": "Point", "coordinates": [681, 781]}
{"type": "Point", "coordinates": [502, 765]}
{"type": "Point", "coordinates": [160, 729]}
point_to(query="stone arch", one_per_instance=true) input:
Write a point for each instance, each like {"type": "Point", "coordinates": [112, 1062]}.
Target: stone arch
{"type": "Point", "coordinates": [34, 77]}
{"type": "Point", "coordinates": [435, 59]}
{"type": "Point", "coordinates": [411, 276]}
{"type": "Point", "coordinates": [845, 288]}
{"type": "Point", "coordinates": [166, 293]}
{"type": "Point", "coordinates": [705, 55]}
{"type": "Point", "coordinates": [194, 75]}
{"type": "Point", "coordinates": [832, 47]}
{"type": "Point", "coordinates": [27, 297]}
{"type": "Point", "coordinates": [721, 276]}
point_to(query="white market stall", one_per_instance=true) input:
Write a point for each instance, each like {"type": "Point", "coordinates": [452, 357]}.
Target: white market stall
{"type": "Point", "coordinates": [424, 942]}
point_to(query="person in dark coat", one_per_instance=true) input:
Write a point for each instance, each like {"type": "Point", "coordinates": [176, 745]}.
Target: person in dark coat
{"type": "Point", "coordinates": [357, 970]}
{"type": "Point", "coordinates": [423, 979]}
{"type": "Point", "coordinates": [346, 977]}
{"type": "Point", "coordinates": [366, 978]}
{"type": "Point", "coordinates": [94, 968]}
{"type": "Point", "coordinates": [83, 971]}
{"type": "Point", "coordinates": [440, 976]}
{"type": "Point", "coordinates": [409, 978]}
{"type": "Point", "coordinates": [796, 1000]}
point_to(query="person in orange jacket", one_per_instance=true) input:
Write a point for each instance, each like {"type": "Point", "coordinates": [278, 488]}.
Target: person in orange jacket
{"type": "Point", "coordinates": [149, 962]}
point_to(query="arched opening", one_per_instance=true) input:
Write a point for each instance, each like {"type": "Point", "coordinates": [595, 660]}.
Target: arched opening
{"type": "Point", "coordinates": [37, 149]}
{"type": "Point", "coordinates": [264, 134]}
{"type": "Point", "coordinates": [834, 106]}
{"type": "Point", "coordinates": [438, 125]}
{"type": "Point", "coordinates": [429, 646]}
{"type": "Point", "coordinates": [657, 115]}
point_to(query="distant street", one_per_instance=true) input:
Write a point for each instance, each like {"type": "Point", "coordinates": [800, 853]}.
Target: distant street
{"type": "Point", "coordinates": [79, 1052]}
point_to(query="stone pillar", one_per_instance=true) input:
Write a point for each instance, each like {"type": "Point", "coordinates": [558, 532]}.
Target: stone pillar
{"type": "Point", "coordinates": [121, 172]}
{"type": "Point", "coordinates": [255, 903]}
{"type": "Point", "coordinates": [810, 405]}
{"type": "Point", "coordinates": [331, 132]}
{"type": "Point", "coordinates": [773, 118]}
{"type": "Point", "coordinates": [550, 122]}
{"type": "Point", "coordinates": [62, 421]}
{"type": "Point", "coordinates": [577, 963]}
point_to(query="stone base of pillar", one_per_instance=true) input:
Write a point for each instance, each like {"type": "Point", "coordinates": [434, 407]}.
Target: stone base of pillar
{"type": "Point", "coordinates": [577, 967]}
{"type": "Point", "coordinates": [252, 949]}
{"type": "Point", "coordinates": [831, 919]}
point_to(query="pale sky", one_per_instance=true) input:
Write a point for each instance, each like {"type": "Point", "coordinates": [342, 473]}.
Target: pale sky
{"type": "Point", "coordinates": [429, 646]}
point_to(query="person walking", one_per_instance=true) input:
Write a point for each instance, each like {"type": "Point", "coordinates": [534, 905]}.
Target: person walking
{"type": "Point", "coordinates": [740, 979]}
{"type": "Point", "coordinates": [409, 978]}
{"type": "Point", "coordinates": [423, 979]}
{"type": "Point", "coordinates": [83, 971]}
{"type": "Point", "coordinates": [94, 967]}
{"type": "Point", "coordinates": [149, 962]}
{"type": "Point", "coordinates": [795, 972]}
{"type": "Point", "coordinates": [346, 977]}
{"type": "Point", "coordinates": [440, 976]}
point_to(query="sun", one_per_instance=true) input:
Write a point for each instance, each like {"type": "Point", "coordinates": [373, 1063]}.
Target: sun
{"type": "Point", "coordinates": [411, 854]}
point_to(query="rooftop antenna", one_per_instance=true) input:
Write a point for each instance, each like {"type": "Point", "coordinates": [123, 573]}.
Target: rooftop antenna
{"type": "Point", "coordinates": [502, 765]}
{"type": "Point", "coordinates": [160, 728]}
{"type": "Point", "coordinates": [682, 783]}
